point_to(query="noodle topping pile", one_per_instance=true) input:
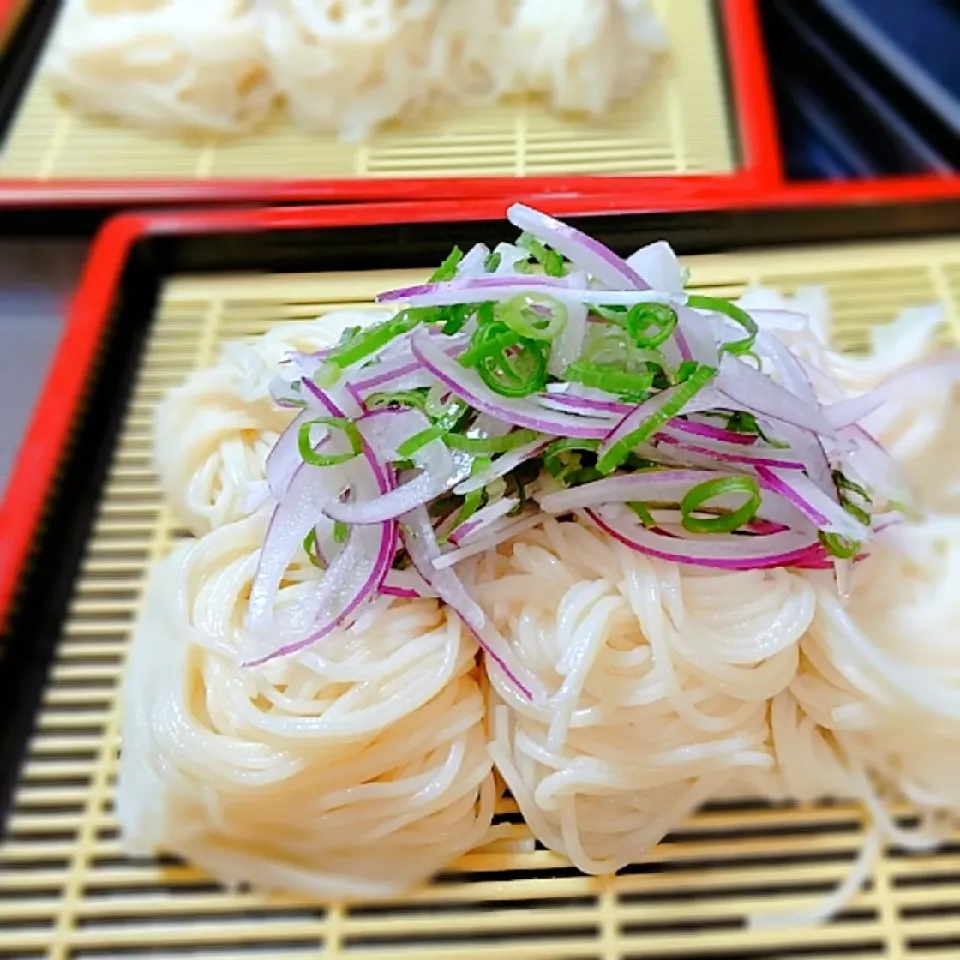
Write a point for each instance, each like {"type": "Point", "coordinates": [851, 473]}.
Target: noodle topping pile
{"type": "Point", "coordinates": [551, 377]}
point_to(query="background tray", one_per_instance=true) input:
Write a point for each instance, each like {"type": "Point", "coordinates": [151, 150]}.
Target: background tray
{"type": "Point", "coordinates": [681, 123]}
{"type": "Point", "coordinates": [65, 889]}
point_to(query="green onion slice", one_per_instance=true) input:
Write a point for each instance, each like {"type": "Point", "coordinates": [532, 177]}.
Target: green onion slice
{"type": "Point", "coordinates": [552, 262]}
{"type": "Point", "coordinates": [640, 509]}
{"type": "Point", "coordinates": [533, 318]}
{"type": "Point", "coordinates": [735, 313]}
{"type": "Point", "coordinates": [840, 547]}
{"type": "Point", "coordinates": [372, 340]}
{"type": "Point", "coordinates": [310, 548]}
{"type": "Point", "coordinates": [683, 394]}
{"type": "Point", "coordinates": [314, 459]}
{"type": "Point", "coordinates": [635, 386]}
{"type": "Point", "coordinates": [491, 445]}
{"type": "Point", "coordinates": [448, 269]}
{"type": "Point", "coordinates": [397, 398]}
{"type": "Point", "coordinates": [651, 324]}
{"type": "Point", "coordinates": [700, 495]}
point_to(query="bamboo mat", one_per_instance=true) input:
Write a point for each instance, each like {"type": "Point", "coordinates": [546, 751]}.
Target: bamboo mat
{"type": "Point", "coordinates": [680, 123]}
{"type": "Point", "coordinates": [67, 891]}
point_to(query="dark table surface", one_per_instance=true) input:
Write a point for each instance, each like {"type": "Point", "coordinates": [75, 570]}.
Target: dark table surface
{"type": "Point", "coordinates": [37, 279]}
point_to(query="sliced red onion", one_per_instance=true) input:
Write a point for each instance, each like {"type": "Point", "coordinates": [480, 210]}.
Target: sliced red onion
{"type": "Point", "coordinates": [808, 448]}
{"type": "Point", "coordinates": [569, 344]}
{"type": "Point", "coordinates": [285, 392]}
{"type": "Point", "coordinates": [309, 490]}
{"type": "Point", "coordinates": [384, 430]}
{"type": "Point", "coordinates": [284, 459]}
{"type": "Point", "coordinates": [583, 251]}
{"type": "Point", "coordinates": [482, 519]}
{"type": "Point", "coordinates": [756, 392]}
{"type": "Point", "coordinates": [867, 460]}
{"type": "Point", "coordinates": [489, 539]}
{"type": "Point", "coordinates": [369, 551]}
{"type": "Point", "coordinates": [706, 399]}
{"type": "Point", "coordinates": [787, 368]}
{"type": "Point", "coordinates": [498, 289]}
{"type": "Point", "coordinates": [510, 255]}
{"type": "Point", "coordinates": [520, 412]}
{"type": "Point", "coordinates": [336, 401]}
{"type": "Point", "coordinates": [730, 453]}
{"type": "Point", "coordinates": [480, 290]}
{"type": "Point", "coordinates": [718, 551]}
{"type": "Point", "coordinates": [400, 374]}
{"type": "Point", "coordinates": [699, 429]}
{"type": "Point", "coordinates": [501, 466]}
{"type": "Point", "coordinates": [487, 426]}
{"type": "Point", "coordinates": [472, 264]}
{"type": "Point", "coordinates": [810, 500]}
{"type": "Point", "coordinates": [696, 338]}
{"type": "Point", "coordinates": [352, 580]}
{"type": "Point", "coordinates": [421, 545]}
{"type": "Point", "coordinates": [657, 264]}
{"type": "Point", "coordinates": [407, 584]}
{"type": "Point", "coordinates": [584, 400]}
{"type": "Point", "coordinates": [666, 486]}
{"type": "Point", "coordinates": [937, 373]}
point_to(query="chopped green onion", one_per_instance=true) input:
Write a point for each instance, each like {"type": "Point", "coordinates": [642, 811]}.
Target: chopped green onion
{"type": "Point", "coordinates": [448, 269]}
{"type": "Point", "coordinates": [399, 398]}
{"type": "Point", "coordinates": [563, 456]}
{"type": "Point", "coordinates": [840, 547]}
{"type": "Point", "coordinates": [735, 313]}
{"type": "Point", "coordinates": [746, 423]}
{"type": "Point", "coordinates": [845, 484]}
{"type": "Point", "coordinates": [457, 317]}
{"type": "Point", "coordinates": [686, 370]}
{"type": "Point", "coordinates": [636, 386]}
{"type": "Point", "coordinates": [858, 512]}
{"type": "Point", "coordinates": [615, 314]}
{"type": "Point", "coordinates": [340, 532]}
{"type": "Point", "coordinates": [651, 324]}
{"type": "Point", "coordinates": [685, 392]}
{"type": "Point", "coordinates": [373, 339]}
{"type": "Point", "coordinates": [486, 313]}
{"type": "Point", "coordinates": [310, 548]}
{"type": "Point", "coordinates": [489, 340]}
{"type": "Point", "coordinates": [614, 348]}
{"type": "Point", "coordinates": [517, 372]}
{"type": "Point", "coordinates": [646, 517]}
{"type": "Point", "coordinates": [507, 364]}
{"type": "Point", "coordinates": [447, 419]}
{"type": "Point", "coordinates": [418, 441]}
{"type": "Point", "coordinates": [491, 445]}
{"type": "Point", "coordinates": [492, 263]}
{"type": "Point", "coordinates": [552, 262]}
{"type": "Point", "coordinates": [522, 316]}
{"type": "Point", "coordinates": [314, 459]}
{"type": "Point", "coordinates": [471, 504]}
{"type": "Point", "coordinates": [702, 493]}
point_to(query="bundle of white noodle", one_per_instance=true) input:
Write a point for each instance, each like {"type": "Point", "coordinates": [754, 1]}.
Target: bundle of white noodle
{"type": "Point", "coordinates": [173, 64]}
{"type": "Point", "coordinates": [214, 433]}
{"type": "Point", "coordinates": [346, 66]}
{"type": "Point", "coordinates": [357, 770]}
{"type": "Point", "coordinates": [690, 567]}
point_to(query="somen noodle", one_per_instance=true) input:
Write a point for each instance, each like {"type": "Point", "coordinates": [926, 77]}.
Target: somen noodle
{"type": "Point", "coordinates": [680, 530]}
